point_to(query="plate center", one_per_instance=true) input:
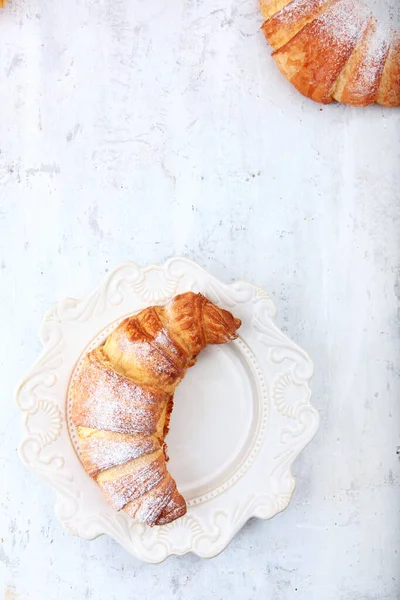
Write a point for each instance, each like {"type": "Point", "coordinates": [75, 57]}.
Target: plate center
{"type": "Point", "coordinates": [214, 421]}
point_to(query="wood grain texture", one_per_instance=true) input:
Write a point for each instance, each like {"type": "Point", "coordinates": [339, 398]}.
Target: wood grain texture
{"type": "Point", "coordinates": [135, 130]}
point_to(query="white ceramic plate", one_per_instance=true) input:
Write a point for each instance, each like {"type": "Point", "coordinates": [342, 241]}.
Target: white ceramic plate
{"type": "Point", "coordinates": [242, 414]}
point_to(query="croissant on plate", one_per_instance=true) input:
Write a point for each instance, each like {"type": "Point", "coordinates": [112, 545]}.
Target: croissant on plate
{"type": "Point", "coordinates": [334, 50]}
{"type": "Point", "coordinates": [123, 397]}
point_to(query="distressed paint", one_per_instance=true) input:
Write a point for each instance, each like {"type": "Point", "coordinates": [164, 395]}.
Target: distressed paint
{"type": "Point", "coordinates": [140, 130]}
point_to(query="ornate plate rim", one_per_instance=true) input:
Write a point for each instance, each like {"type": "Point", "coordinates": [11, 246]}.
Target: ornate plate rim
{"type": "Point", "coordinates": [48, 450]}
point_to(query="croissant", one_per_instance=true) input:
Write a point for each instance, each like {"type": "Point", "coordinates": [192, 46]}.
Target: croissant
{"type": "Point", "coordinates": [334, 50]}
{"type": "Point", "coordinates": [123, 398]}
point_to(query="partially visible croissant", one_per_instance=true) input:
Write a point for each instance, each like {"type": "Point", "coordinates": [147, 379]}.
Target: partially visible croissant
{"type": "Point", "coordinates": [123, 398]}
{"type": "Point", "coordinates": [3, 3]}
{"type": "Point", "coordinates": [334, 50]}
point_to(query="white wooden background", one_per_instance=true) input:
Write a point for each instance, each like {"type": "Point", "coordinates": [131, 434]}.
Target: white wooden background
{"type": "Point", "coordinates": [136, 130]}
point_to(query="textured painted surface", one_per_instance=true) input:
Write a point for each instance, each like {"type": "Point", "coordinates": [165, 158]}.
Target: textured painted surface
{"type": "Point", "coordinates": [140, 130]}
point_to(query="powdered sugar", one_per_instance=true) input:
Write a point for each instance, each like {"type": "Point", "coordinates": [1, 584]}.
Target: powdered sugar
{"type": "Point", "coordinates": [175, 508]}
{"type": "Point", "coordinates": [371, 65]}
{"type": "Point", "coordinates": [101, 452]}
{"type": "Point", "coordinates": [344, 23]}
{"type": "Point", "coordinates": [316, 46]}
{"type": "Point", "coordinates": [148, 507]}
{"type": "Point", "coordinates": [299, 9]}
{"type": "Point", "coordinates": [164, 341]}
{"type": "Point", "coordinates": [149, 357]}
{"type": "Point", "coordinates": [124, 388]}
{"type": "Point", "coordinates": [121, 489]}
{"type": "Point", "coordinates": [109, 401]}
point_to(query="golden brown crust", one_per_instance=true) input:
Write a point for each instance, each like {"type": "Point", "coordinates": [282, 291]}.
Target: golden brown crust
{"type": "Point", "coordinates": [123, 398]}
{"type": "Point", "coordinates": [359, 81]}
{"type": "Point", "coordinates": [167, 421]}
{"type": "Point", "coordinates": [175, 508]}
{"type": "Point", "coordinates": [271, 7]}
{"type": "Point", "coordinates": [124, 483]}
{"type": "Point", "coordinates": [106, 400]}
{"type": "Point", "coordinates": [314, 58]}
{"type": "Point", "coordinates": [286, 23]}
{"type": "Point", "coordinates": [150, 505]}
{"type": "Point", "coordinates": [101, 450]}
{"type": "Point", "coordinates": [137, 354]}
{"type": "Point", "coordinates": [334, 49]}
{"type": "Point", "coordinates": [183, 319]}
{"type": "Point", "coordinates": [389, 89]}
{"type": "Point", "coordinates": [219, 325]}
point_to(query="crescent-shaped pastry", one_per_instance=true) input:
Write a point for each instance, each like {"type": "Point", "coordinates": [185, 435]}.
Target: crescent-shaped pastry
{"type": "Point", "coordinates": [123, 398]}
{"type": "Point", "coordinates": [334, 50]}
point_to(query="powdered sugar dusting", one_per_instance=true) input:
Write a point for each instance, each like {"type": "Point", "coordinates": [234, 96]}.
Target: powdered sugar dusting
{"type": "Point", "coordinates": [123, 388]}
{"type": "Point", "coordinates": [163, 340]}
{"type": "Point", "coordinates": [102, 452]}
{"type": "Point", "coordinates": [299, 9]}
{"type": "Point", "coordinates": [109, 401]}
{"type": "Point", "coordinates": [175, 508]}
{"type": "Point", "coordinates": [372, 63]}
{"type": "Point", "coordinates": [121, 489]}
{"type": "Point", "coordinates": [149, 358]}
{"type": "Point", "coordinates": [316, 46]}
{"type": "Point", "coordinates": [148, 507]}
{"type": "Point", "coordinates": [344, 23]}
{"type": "Point", "coordinates": [131, 412]}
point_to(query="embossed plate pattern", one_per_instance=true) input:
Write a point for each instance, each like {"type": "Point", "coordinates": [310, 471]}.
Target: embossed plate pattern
{"type": "Point", "coordinates": [245, 407]}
